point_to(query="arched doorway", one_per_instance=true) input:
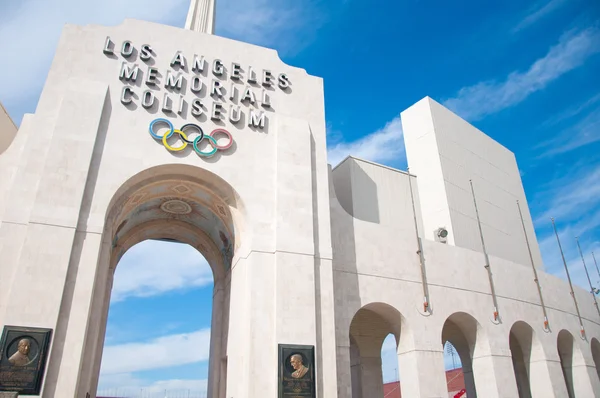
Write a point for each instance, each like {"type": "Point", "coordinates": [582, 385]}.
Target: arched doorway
{"type": "Point", "coordinates": [461, 330]}
{"type": "Point", "coordinates": [368, 330]}
{"type": "Point", "coordinates": [176, 203]}
{"type": "Point", "coordinates": [158, 328]}
{"type": "Point", "coordinates": [595, 347]}
{"type": "Point", "coordinates": [521, 343]}
{"type": "Point", "coordinates": [565, 345]}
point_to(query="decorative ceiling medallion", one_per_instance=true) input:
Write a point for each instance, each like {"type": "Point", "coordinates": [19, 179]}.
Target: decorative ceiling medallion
{"type": "Point", "coordinates": [176, 206]}
{"type": "Point", "coordinates": [135, 199]}
{"type": "Point", "coordinates": [221, 210]}
{"type": "Point", "coordinates": [181, 189]}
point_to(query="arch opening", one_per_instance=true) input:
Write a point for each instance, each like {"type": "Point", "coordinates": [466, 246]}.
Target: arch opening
{"type": "Point", "coordinates": [159, 319]}
{"type": "Point", "coordinates": [462, 331]}
{"type": "Point", "coordinates": [522, 342]}
{"type": "Point", "coordinates": [371, 326]}
{"type": "Point", "coordinates": [171, 203]}
{"type": "Point", "coordinates": [565, 345]}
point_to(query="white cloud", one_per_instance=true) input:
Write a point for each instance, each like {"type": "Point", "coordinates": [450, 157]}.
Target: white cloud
{"type": "Point", "coordinates": [538, 12]}
{"type": "Point", "coordinates": [574, 200]}
{"type": "Point", "coordinates": [571, 111]}
{"type": "Point", "coordinates": [488, 97]}
{"type": "Point", "coordinates": [582, 133]}
{"type": "Point", "coordinates": [151, 268]}
{"type": "Point", "coordinates": [285, 25]}
{"type": "Point", "coordinates": [28, 52]}
{"type": "Point", "coordinates": [159, 353]}
{"type": "Point", "coordinates": [126, 384]}
{"type": "Point", "coordinates": [572, 196]}
{"type": "Point", "coordinates": [381, 146]}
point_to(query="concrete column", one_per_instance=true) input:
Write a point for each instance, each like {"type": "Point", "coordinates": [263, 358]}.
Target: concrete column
{"type": "Point", "coordinates": [216, 335]}
{"type": "Point", "coordinates": [355, 371]}
{"type": "Point", "coordinates": [372, 377]}
{"type": "Point", "coordinates": [495, 376]}
{"type": "Point", "coordinates": [585, 381]}
{"type": "Point", "coordinates": [97, 323]}
{"type": "Point", "coordinates": [422, 373]}
{"type": "Point", "coordinates": [344, 377]}
{"type": "Point", "coordinates": [546, 379]}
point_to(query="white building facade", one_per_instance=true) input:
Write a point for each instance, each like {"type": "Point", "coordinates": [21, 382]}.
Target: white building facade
{"type": "Point", "coordinates": [302, 254]}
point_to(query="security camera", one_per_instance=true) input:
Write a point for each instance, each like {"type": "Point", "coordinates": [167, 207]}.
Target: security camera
{"type": "Point", "coordinates": [441, 235]}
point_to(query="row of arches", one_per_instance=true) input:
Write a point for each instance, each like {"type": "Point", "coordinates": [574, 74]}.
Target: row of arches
{"type": "Point", "coordinates": [374, 322]}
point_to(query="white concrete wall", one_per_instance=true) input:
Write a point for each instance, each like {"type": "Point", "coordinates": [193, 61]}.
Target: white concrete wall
{"type": "Point", "coordinates": [375, 266]}
{"type": "Point", "coordinates": [445, 152]}
{"type": "Point", "coordinates": [88, 145]}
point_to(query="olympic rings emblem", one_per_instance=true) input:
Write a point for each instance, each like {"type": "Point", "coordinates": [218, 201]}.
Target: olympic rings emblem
{"type": "Point", "coordinates": [189, 129]}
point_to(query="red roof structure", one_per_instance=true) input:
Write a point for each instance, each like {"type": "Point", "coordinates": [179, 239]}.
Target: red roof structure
{"type": "Point", "coordinates": [454, 380]}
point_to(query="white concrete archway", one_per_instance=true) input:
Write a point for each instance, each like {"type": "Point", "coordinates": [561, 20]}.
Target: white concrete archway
{"type": "Point", "coordinates": [369, 328]}
{"type": "Point", "coordinates": [466, 335]}
{"type": "Point", "coordinates": [525, 349]}
{"type": "Point", "coordinates": [565, 345]}
{"type": "Point", "coordinates": [175, 202]}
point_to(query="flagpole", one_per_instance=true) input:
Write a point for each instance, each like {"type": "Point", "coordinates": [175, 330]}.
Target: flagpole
{"type": "Point", "coordinates": [486, 257]}
{"type": "Point", "coordinates": [535, 274]}
{"type": "Point", "coordinates": [588, 275]}
{"type": "Point", "coordinates": [594, 257]}
{"type": "Point", "coordinates": [569, 278]}
{"type": "Point", "coordinates": [426, 298]}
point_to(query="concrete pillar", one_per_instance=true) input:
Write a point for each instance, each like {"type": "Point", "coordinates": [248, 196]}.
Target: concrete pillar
{"type": "Point", "coordinates": [585, 381]}
{"type": "Point", "coordinates": [355, 370]}
{"type": "Point", "coordinates": [546, 378]}
{"type": "Point", "coordinates": [372, 377]}
{"type": "Point", "coordinates": [216, 335]}
{"type": "Point", "coordinates": [520, 368]}
{"type": "Point", "coordinates": [423, 373]}
{"type": "Point", "coordinates": [494, 376]}
{"type": "Point", "coordinates": [344, 377]}
{"type": "Point", "coordinates": [469, 379]}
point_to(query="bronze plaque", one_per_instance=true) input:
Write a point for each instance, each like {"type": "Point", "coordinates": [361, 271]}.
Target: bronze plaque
{"type": "Point", "coordinates": [296, 371]}
{"type": "Point", "coordinates": [23, 359]}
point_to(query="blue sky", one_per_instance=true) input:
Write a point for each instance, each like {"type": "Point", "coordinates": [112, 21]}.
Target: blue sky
{"type": "Point", "coordinates": [524, 72]}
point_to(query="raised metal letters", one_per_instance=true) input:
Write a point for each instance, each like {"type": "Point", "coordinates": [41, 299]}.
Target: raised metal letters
{"type": "Point", "coordinates": [148, 99]}
{"type": "Point", "coordinates": [108, 46]}
{"type": "Point", "coordinates": [174, 81]}
{"type": "Point", "coordinates": [151, 77]}
{"type": "Point", "coordinates": [127, 49]}
{"type": "Point", "coordinates": [178, 60]}
{"type": "Point", "coordinates": [127, 73]}
{"type": "Point", "coordinates": [146, 52]}
{"type": "Point", "coordinates": [256, 120]}
{"type": "Point", "coordinates": [216, 88]}
{"type": "Point", "coordinates": [216, 111]}
{"type": "Point", "coordinates": [126, 95]}
{"type": "Point", "coordinates": [249, 94]}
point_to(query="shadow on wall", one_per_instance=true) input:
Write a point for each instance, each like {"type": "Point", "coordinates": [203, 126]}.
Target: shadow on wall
{"type": "Point", "coordinates": [356, 192]}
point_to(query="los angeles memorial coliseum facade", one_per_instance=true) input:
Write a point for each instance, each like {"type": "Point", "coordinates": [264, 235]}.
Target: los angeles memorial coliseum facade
{"type": "Point", "coordinates": [145, 131]}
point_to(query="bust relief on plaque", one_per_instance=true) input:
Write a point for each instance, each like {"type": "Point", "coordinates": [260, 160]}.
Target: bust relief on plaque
{"type": "Point", "coordinates": [298, 365]}
{"type": "Point", "coordinates": [296, 371]}
{"type": "Point", "coordinates": [23, 359]}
